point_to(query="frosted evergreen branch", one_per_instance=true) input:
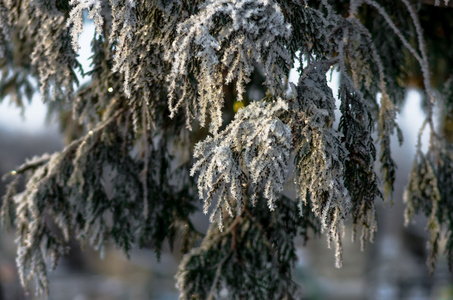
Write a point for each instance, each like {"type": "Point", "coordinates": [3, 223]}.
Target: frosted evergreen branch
{"type": "Point", "coordinates": [124, 25]}
{"type": "Point", "coordinates": [75, 20]}
{"type": "Point", "coordinates": [428, 191]}
{"type": "Point", "coordinates": [267, 271]}
{"type": "Point", "coordinates": [320, 154]}
{"type": "Point", "coordinates": [424, 65]}
{"type": "Point", "coordinates": [256, 139]}
{"type": "Point", "coordinates": [34, 163]}
{"type": "Point", "coordinates": [254, 32]}
{"type": "Point", "coordinates": [37, 241]}
{"type": "Point", "coordinates": [348, 39]}
{"type": "Point", "coordinates": [51, 55]}
{"type": "Point", "coordinates": [374, 52]}
{"type": "Point", "coordinates": [361, 180]}
{"type": "Point", "coordinates": [423, 186]}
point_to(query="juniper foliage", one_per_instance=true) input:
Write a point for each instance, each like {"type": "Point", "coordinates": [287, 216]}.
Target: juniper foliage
{"type": "Point", "coordinates": [137, 149]}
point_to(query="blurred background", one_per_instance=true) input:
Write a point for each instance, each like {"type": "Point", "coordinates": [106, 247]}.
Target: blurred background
{"type": "Point", "coordinates": [391, 268]}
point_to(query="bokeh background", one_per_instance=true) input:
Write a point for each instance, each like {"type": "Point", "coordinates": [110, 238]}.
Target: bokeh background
{"type": "Point", "coordinates": [391, 268]}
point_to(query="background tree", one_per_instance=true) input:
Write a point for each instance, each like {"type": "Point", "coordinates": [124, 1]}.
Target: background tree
{"type": "Point", "coordinates": [155, 129]}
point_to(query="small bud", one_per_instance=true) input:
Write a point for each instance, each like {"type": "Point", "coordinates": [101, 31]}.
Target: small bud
{"type": "Point", "coordinates": [110, 89]}
{"type": "Point", "coordinates": [90, 132]}
{"type": "Point", "coordinates": [13, 172]}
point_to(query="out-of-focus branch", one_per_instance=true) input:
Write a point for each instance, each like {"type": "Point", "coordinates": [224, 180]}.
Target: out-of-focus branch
{"type": "Point", "coordinates": [440, 3]}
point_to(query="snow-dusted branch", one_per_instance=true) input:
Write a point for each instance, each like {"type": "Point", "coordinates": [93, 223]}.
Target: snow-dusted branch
{"type": "Point", "coordinates": [253, 150]}
{"type": "Point", "coordinates": [75, 20]}
{"type": "Point", "coordinates": [222, 43]}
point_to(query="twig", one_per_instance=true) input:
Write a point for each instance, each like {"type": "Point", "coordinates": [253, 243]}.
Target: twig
{"type": "Point", "coordinates": [392, 25]}
{"type": "Point", "coordinates": [217, 275]}
{"type": "Point", "coordinates": [233, 225]}
{"type": "Point", "coordinates": [29, 165]}
{"type": "Point", "coordinates": [95, 130]}
{"type": "Point", "coordinates": [46, 157]}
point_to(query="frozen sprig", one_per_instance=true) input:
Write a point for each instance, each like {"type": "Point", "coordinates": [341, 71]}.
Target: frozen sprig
{"type": "Point", "coordinates": [360, 177]}
{"type": "Point", "coordinates": [52, 55]}
{"type": "Point", "coordinates": [320, 154]}
{"type": "Point", "coordinates": [429, 191]}
{"type": "Point", "coordinates": [220, 45]}
{"type": "Point", "coordinates": [75, 20]}
{"type": "Point", "coordinates": [39, 241]}
{"type": "Point", "coordinates": [124, 26]}
{"type": "Point", "coordinates": [65, 193]}
{"type": "Point", "coordinates": [253, 150]}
